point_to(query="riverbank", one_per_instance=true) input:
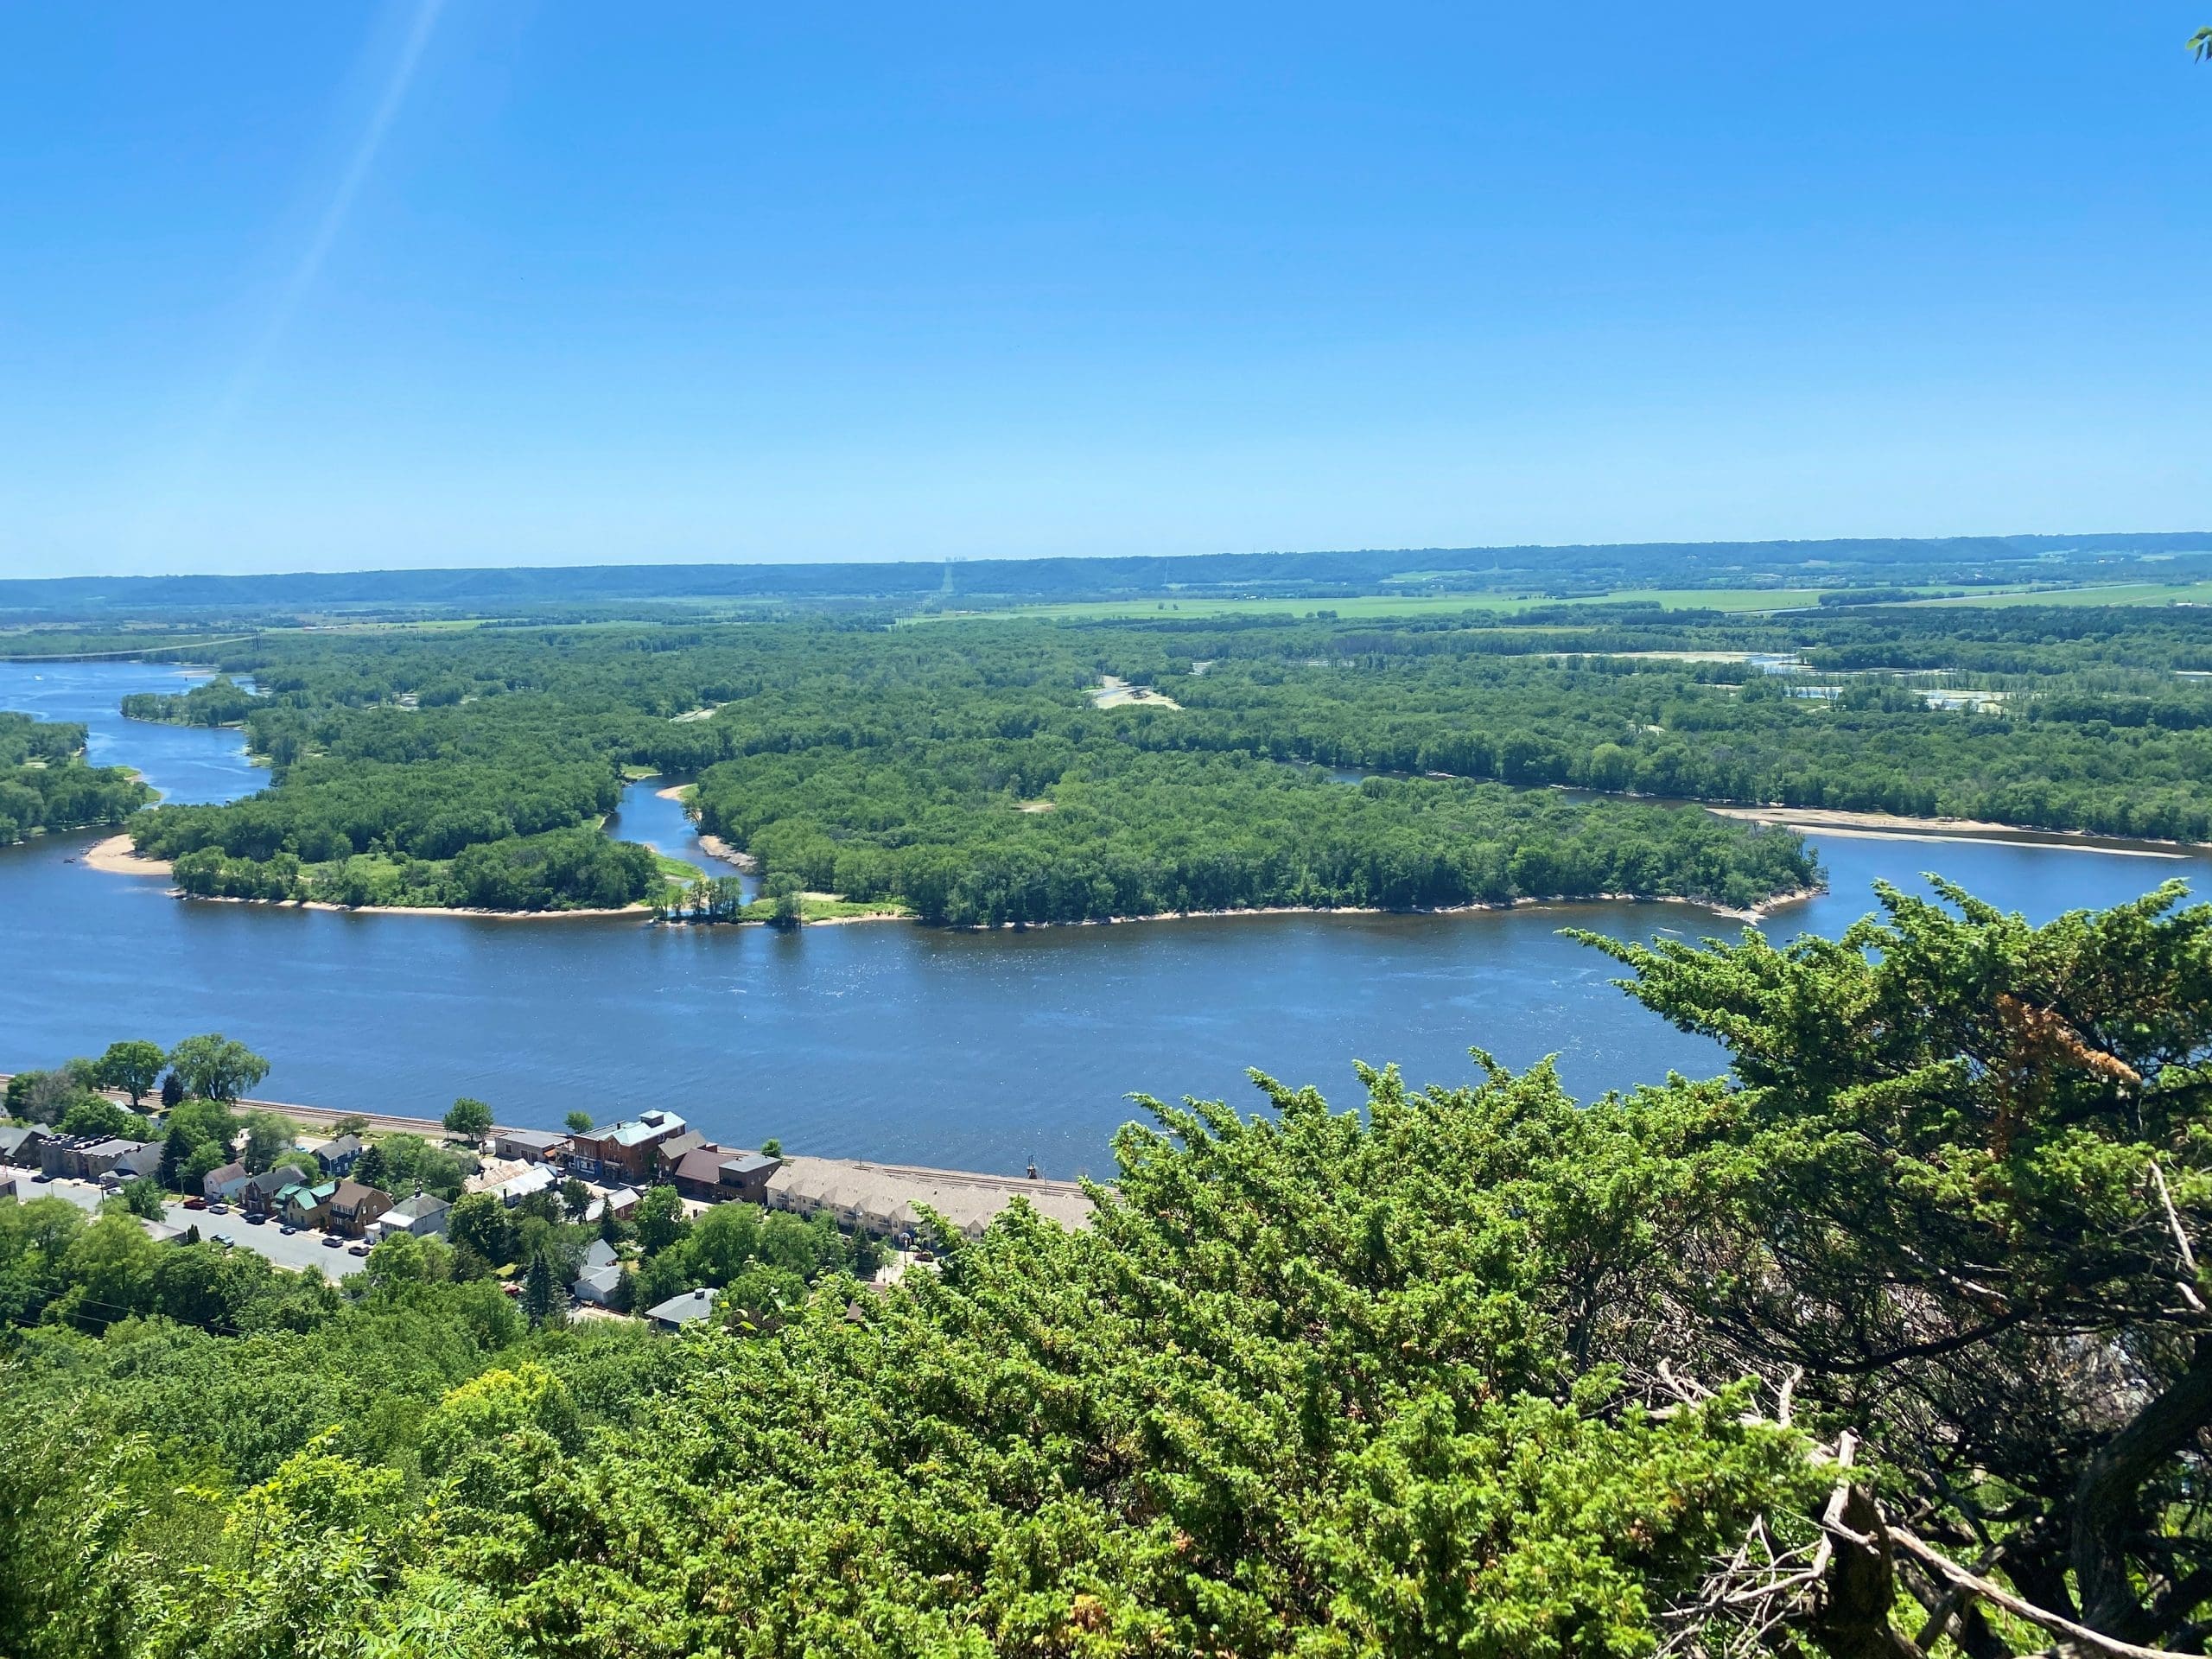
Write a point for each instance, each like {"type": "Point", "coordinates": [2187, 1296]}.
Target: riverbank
{"type": "Point", "coordinates": [1752, 913]}
{"type": "Point", "coordinates": [713, 845]}
{"type": "Point", "coordinates": [118, 855]}
{"type": "Point", "coordinates": [1893, 826]}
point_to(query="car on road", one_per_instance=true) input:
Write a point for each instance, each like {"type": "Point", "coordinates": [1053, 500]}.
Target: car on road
{"type": "Point", "coordinates": [219, 1209]}
{"type": "Point", "coordinates": [41, 1176]}
{"type": "Point", "coordinates": [287, 1229]}
{"type": "Point", "coordinates": [331, 1241]}
{"type": "Point", "coordinates": [357, 1248]}
{"type": "Point", "coordinates": [256, 1221]}
{"type": "Point", "coordinates": [195, 1203]}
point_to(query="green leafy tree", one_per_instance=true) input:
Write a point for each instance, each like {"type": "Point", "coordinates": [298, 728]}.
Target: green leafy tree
{"type": "Point", "coordinates": [469, 1119]}
{"type": "Point", "coordinates": [96, 1114]}
{"type": "Point", "coordinates": [578, 1123]}
{"type": "Point", "coordinates": [144, 1198]}
{"type": "Point", "coordinates": [660, 1221]}
{"type": "Point", "coordinates": [373, 1166]}
{"type": "Point", "coordinates": [575, 1198]}
{"type": "Point", "coordinates": [176, 1153]}
{"type": "Point", "coordinates": [214, 1067]}
{"type": "Point", "coordinates": [133, 1067]}
{"type": "Point", "coordinates": [478, 1221]}
{"type": "Point", "coordinates": [268, 1139]}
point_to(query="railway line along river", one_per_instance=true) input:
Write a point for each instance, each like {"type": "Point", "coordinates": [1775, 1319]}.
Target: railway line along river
{"type": "Point", "coordinates": [901, 1043]}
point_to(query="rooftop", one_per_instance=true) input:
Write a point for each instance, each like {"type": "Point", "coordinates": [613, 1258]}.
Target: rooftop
{"type": "Point", "coordinates": [682, 1310]}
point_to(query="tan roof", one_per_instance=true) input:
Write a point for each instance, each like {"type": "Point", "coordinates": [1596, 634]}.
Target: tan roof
{"type": "Point", "coordinates": [889, 1196]}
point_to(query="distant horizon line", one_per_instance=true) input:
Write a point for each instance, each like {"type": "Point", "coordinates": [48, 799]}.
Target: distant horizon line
{"type": "Point", "coordinates": [1991, 540]}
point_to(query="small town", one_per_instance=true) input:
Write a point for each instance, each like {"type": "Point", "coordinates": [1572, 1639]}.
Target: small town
{"type": "Point", "coordinates": [573, 1223]}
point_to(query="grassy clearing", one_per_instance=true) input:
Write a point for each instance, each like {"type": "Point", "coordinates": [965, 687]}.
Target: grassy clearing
{"type": "Point", "coordinates": [1388, 604]}
{"type": "Point", "coordinates": [2121, 593]}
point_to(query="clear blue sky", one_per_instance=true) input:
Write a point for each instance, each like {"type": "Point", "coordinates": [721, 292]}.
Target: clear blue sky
{"type": "Point", "coordinates": [322, 286]}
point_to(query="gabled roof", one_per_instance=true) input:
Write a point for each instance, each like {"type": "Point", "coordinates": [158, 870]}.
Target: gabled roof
{"type": "Point", "coordinates": [344, 1147]}
{"type": "Point", "coordinates": [601, 1254]}
{"type": "Point", "coordinates": [749, 1163]}
{"type": "Point", "coordinates": [677, 1145]}
{"type": "Point", "coordinates": [646, 1127]}
{"type": "Point", "coordinates": [13, 1135]}
{"type": "Point", "coordinates": [602, 1280]}
{"type": "Point", "coordinates": [423, 1206]}
{"type": "Point", "coordinates": [701, 1164]}
{"type": "Point", "coordinates": [351, 1194]}
{"type": "Point", "coordinates": [682, 1310]}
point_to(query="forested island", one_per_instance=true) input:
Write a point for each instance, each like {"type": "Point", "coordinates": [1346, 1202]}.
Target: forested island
{"type": "Point", "coordinates": [45, 786]}
{"type": "Point", "coordinates": [1889, 1342]}
{"type": "Point", "coordinates": [979, 773]}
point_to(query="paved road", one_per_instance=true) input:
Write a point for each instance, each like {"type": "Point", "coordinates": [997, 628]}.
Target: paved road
{"type": "Point", "coordinates": [300, 1250]}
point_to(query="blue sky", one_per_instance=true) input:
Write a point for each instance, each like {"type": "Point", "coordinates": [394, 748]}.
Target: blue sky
{"type": "Point", "coordinates": [288, 287]}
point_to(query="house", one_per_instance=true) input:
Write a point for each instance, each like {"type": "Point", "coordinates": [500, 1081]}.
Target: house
{"type": "Point", "coordinates": [423, 1215]}
{"type": "Point", "coordinates": [125, 1160]}
{"type": "Point", "coordinates": [19, 1143]}
{"type": "Point", "coordinates": [223, 1183]}
{"type": "Point", "coordinates": [671, 1152]}
{"type": "Point", "coordinates": [745, 1176]}
{"type": "Point", "coordinates": [354, 1206]}
{"type": "Point", "coordinates": [698, 1173]}
{"type": "Point", "coordinates": [532, 1146]}
{"type": "Point", "coordinates": [623, 1152]}
{"type": "Point", "coordinates": [888, 1199]}
{"type": "Point", "coordinates": [538, 1178]}
{"type": "Point", "coordinates": [257, 1194]}
{"type": "Point", "coordinates": [62, 1155]}
{"type": "Point", "coordinates": [8, 1184]}
{"type": "Point", "coordinates": [679, 1311]}
{"type": "Point", "coordinates": [599, 1275]}
{"type": "Point", "coordinates": [302, 1205]}
{"type": "Point", "coordinates": [598, 1286]}
{"type": "Point", "coordinates": [338, 1156]}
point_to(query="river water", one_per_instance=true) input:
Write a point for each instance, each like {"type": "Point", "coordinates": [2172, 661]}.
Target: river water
{"type": "Point", "coordinates": [883, 1040]}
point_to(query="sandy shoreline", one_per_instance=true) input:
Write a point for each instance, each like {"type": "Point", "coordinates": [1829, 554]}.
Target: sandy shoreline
{"type": "Point", "coordinates": [1756, 912]}
{"type": "Point", "coordinates": [118, 856]}
{"type": "Point", "coordinates": [713, 845]}
{"type": "Point", "coordinates": [1892, 826]}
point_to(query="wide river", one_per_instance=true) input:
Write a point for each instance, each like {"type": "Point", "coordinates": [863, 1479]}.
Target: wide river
{"type": "Point", "coordinates": [884, 1040]}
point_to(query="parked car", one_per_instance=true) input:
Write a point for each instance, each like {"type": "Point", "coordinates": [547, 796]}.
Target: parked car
{"type": "Point", "coordinates": [195, 1203]}
{"type": "Point", "coordinates": [331, 1241]}
{"type": "Point", "coordinates": [219, 1209]}
{"type": "Point", "coordinates": [256, 1221]}
{"type": "Point", "coordinates": [287, 1229]}
{"type": "Point", "coordinates": [511, 1288]}
{"type": "Point", "coordinates": [357, 1247]}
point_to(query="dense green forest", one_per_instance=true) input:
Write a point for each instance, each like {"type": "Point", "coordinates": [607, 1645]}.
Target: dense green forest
{"type": "Point", "coordinates": [1891, 1342]}
{"type": "Point", "coordinates": [45, 783]}
{"type": "Point", "coordinates": [219, 701]}
{"type": "Point", "coordinates": [972, 771]}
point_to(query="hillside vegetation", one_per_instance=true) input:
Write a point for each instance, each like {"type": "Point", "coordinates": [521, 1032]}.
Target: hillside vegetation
{"type": "Point", "coordinates": [1476, 1370]}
